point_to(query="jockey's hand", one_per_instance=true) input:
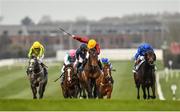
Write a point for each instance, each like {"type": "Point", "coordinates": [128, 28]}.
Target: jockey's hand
{"type": "Point", "coordinates": [74, 37]}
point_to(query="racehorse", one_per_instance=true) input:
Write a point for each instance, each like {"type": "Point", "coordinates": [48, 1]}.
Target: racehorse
{"type": "Point", "coordinates": [145, 76]}
{"type": "Point", "coordinates": [105, 82]}
{"type": "Point", "coordinates": [37, 77]}
{"type": "Point", "coordinates": [90, 73]}
{"type": "Point", "coordinates": [70, 87]}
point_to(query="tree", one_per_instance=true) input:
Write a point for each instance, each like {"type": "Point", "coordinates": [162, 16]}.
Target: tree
{"type": "Point", "coordinates": [46, 19]}
{"type": "Point", "coordinates": [27, 21]}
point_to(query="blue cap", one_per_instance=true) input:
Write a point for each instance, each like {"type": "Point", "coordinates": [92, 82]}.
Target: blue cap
{"type": "Point", "coordinates": [105, 60]}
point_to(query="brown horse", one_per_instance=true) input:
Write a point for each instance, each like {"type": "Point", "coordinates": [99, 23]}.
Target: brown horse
{"type": "Point", "coordinates": [37, 77]}
{"type": "Point", "coordinates": [145, 76]}
{"type": "Point", "coordinates": [70, 86]}
{"type": "Point", "coordinates": [104, 82]}
{"type": "Point", "coordinates": [89, 75]}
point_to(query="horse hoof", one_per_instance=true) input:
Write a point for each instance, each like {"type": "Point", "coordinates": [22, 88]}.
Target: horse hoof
{"type": "Point", "coordinates": [84, 97]}
{"type": "Point", "coordinates": [80, 97]}
{"type": "Point", "coordinates": [138, 97]}
{"type": "Point", "coordinates": [34, 97]}
{"type": "Point", "coordinates": [144, 97]}
{"type": "Point", "coordinates": [153, 97]}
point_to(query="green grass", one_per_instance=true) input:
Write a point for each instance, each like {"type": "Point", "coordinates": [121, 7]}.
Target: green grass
{"type": "Point", "coordinates": [166, 86]}
{"type": "Point", "coordinates": [88, 105]}
{"type": "Point", "coordinates": [15, 92]}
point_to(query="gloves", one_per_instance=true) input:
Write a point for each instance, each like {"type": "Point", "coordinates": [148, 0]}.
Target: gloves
{"type": "Point", "coordinates": [74, 37]}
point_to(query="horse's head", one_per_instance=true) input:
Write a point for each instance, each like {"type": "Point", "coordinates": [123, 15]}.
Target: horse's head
{"type": "Point", "coordinates": [33, 64]}
{"type": "Point", "coordinates": [150, 57]}
{"type": "Point", "coordinates": [68, 72]}
{"type": "Point", "coordinates": [107, 70]}
{"type": "Point", "coordinates": [93, 57]}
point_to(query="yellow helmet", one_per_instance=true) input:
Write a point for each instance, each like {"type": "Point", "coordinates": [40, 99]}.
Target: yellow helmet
{"type": "Point", "coordinates": [36, 44]}
{"type": "Point", "coordinates": [91, 43]}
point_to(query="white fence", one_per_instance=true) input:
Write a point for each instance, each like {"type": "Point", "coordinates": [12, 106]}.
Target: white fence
{"type": "Point", "coordinates": [114, 54]}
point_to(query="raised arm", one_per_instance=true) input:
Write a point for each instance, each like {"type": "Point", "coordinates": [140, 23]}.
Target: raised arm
{"type": "Point", "coordinates": [81, 39]}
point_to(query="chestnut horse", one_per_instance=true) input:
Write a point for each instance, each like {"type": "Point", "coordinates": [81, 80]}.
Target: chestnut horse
{"type": "Point", "coordinates": [104, 82]}
{"type": "Point", "coordinates": [70, 87]}
{"type": "Point", "coordinates": [145, 76]}
{"type": "Point", "coordinates": [90, 74]}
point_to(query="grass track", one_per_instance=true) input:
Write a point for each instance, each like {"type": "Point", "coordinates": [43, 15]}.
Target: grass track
{"type": "Point", "coordinates": [15, 93]}
{"type": "Point", "coordinates": [111, 105]}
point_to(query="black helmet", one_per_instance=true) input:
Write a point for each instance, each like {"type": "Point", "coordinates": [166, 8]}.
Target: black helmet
{"type": "Point", "coordinates": [83, 47]}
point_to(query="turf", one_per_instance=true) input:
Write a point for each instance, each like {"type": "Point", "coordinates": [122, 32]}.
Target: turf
{"type": "Point", "coordinates": [111, 105]}
{"type": "Point", "coordinates": [15, 92]}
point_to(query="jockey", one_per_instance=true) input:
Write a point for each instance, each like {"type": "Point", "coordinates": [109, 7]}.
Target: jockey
{"type": "Point", "coordinates": [68, 59]}
{"type": "Point", "coordinates": [91, 43]}
{"type": "Point", "coordinates": [139, 56]}
{"type": "Point", "coordinates": [37, 49]}
{"type": "Point", "coordinates": [106, 61]}
{"type": "Point", "coordinates": [81, 54]}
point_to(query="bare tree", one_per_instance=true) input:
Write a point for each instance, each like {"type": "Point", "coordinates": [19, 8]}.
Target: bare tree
{"type": "Point", "coordinates": [27, 21]}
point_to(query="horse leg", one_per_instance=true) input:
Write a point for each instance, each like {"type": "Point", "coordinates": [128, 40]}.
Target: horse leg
{"type": "Point", "coordinates": [95, 88]}
{"type": "Point", "coordinates": [80, 91]}
{"type": "Point", "coordinates": [153, 91]}
{"type": "Point", "coordinates": [40, 91]}
{"type": "Point", "coordinates": [84, 91]}
{"type": "Point", "coordinates": [75, 91]}
{"type": "Point", "coordinates": [43, 89]}
{"type": "Point", "coordinates": [144, 91]}
{"type": "Point", "coordinates": [34, 91]}
{"type": "Point", "coordinates": [109, 94]}
{"type": "Point", "coordinates": [137, 83]}
{"type": "Point", "coordinates": [138, 87]}
{"type": "Point", "coordinates": [89, 88]}
{"type": "Point", "coordinates": [100, 92]}
{"type": "Point", "coordinates": [148, 92]}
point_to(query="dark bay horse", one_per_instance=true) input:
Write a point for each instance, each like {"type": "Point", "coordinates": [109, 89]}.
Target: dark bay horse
{"type": "Point", "coordinates": [104, 82]}
{"type": "Point", "coordinates": [145, 76]}
{"type": "Point", "coordinates": [37, 77]}
{"type": "Point", "coordinates": [70, 87]}
{"type": "Point", "coordinates": [90, 74]}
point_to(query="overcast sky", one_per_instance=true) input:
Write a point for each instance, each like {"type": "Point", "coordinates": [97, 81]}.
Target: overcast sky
{"type": "Point", "coordinates": [14, 10]}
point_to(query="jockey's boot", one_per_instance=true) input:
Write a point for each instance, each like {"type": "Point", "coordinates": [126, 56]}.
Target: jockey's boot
{"type": "Point", "coordinates": [81, 68]}
{"type": "Point", "coordinates": [100, 64]}
{"type": "Point", "coordinates": [78, 66]}
{"type": "Point", "coordinates": [136, 66]}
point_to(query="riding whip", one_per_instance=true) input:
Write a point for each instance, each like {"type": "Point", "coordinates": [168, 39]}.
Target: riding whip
{"type": "Point", "coordinates": [58, 78]}
{"type": "Point", "coordinates": [113, 70]}
{"type": "Point", "coordinates": [67, 33]}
